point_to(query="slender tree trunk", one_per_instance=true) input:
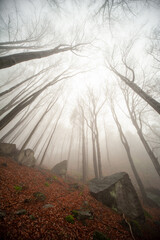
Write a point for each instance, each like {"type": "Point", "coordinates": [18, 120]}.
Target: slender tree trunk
{"type": "Point", "coordinates": [49, 107]}
{"type": "Point", "coordinates": [30, 99]}
{"type": "Point", "coordinates": [94, 156]}
{"type": "Point", "coordinates": [107, 150]}
{"type": "Point", "coordinates": [63, 145]}
{"type": "Point", "coordinates": [127, 148]}
{"type": "Point", "coordinates": [70, 145]}
{"type": "Point", "coordinates": [150, 152]}
{"type": "Point", "coordinates": [14, 127]}
{"type": "Point", "coordinates": [87, 152]}
{"type": "Point", "coordinates": [18, 133]}
{"type": "Point", "coordinates": [98, 150]}
{"type": "Point", "coordinates": [140, 133]}
{"type": "Point", "coordinates": [10, 60]}
{"type": "Point", "coordinates": [152, 102]}
{"type": "Point", "coordinates": [84, 167]}
{"type": "Point", "coordinates": [79, 148]}
{"type": "Point", "coordinates": [40, 139]}
{"type": "Point", "coordinates": [54, 129]}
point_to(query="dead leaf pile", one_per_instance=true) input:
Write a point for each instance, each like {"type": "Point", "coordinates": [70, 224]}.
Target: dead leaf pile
{"type": "Point", "coordinates": [23, 215]}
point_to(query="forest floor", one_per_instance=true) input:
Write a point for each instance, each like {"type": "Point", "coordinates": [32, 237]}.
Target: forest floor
{"type": "Point", "coordinates": [24, 214]}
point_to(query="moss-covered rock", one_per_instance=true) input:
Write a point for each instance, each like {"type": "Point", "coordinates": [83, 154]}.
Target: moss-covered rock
{"type": "Point", "coordinates": [99, 236]}
{"type": "Point", "coordinates": [39, 196]}
{"type": "Point", "coordinates": [69, 219]}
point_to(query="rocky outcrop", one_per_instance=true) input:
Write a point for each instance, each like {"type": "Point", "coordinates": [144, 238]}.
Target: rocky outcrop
{"type": "Point", "coordinates": [60, 168]}
{"type": "Point", "coordinates": [117, 192]}
{"type": "Point", "coordinates": [7, 149]}
{"type": "Point", "coordinates": [154, 195]}
{"type": "Point", "coordinates": [26, 157]}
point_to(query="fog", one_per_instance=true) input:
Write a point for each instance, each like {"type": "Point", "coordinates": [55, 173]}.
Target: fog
{"type": "Point", "coordinates": [59, 120]}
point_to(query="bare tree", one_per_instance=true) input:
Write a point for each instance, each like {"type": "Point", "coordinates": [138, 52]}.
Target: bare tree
{"type": "Point", "coordinates": [51, 136]}
{"type": "Point", "coordinates": [84, 165]}
{"type": "Point", "coordinates": [135, 115]}
{"type": "Point", "coordinates": [127, 148]}
{"type": "Point", "coordinates": [27, 114]}
{"type": "Point", "coordinates": [154, 49]}
{"type": "Point", "coordinates": [106, 140]}
{"type": "Point", "coordinates": [48, 108]}
{"type": "Point", "coordinates": [91, 109]}
{"type": "Point", "coordinates": [26, 80]}
{"type": "Point", "coordinates": [28, 100]}
{"type": "Point", "coordinates": [131, 83]}
{"type": "Point", "coordinates": [10, 60]}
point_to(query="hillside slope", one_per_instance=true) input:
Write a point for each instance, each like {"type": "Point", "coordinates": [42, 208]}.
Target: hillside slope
{"type": "Point", "coordinates": [24, 213]}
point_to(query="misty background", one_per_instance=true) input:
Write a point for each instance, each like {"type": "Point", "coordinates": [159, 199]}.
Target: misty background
{"type": "Point", "coordinates": [81, 90]}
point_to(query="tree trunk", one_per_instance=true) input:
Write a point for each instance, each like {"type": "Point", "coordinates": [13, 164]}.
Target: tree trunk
{"type": "Point", "coordinates": [49, 107]}
{"type": "Point", "coordinates": [149, 151]}
{"type": "Point", "coordinates": [10, 60]}
{"type": "Point", "coordinates": [54, 129]}
{"type": "Point", "coordinates": [152, 102]}
{"type": "Point", "coordinates": [107, 150]}
{"type": "Point", "coordinates": [26, 80]}
{"type": "Point", "coordinates": [98, 149]}
{"type": "Point", "coordinates": [70, 145]}
{"type": "Point", "coordinates": [127, 148]}
{"type": "Point", "coordinates": [84, 167]}
{"type": "Point", "coordinates": [94, 156]}
{"type": "Point", "coordinates": [132, 114]}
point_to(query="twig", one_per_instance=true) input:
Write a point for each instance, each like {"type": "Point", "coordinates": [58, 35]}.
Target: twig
{"type": "Point", "coordinates": [130, 228]}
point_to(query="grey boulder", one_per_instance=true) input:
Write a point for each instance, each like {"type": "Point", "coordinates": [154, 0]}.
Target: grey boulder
{"type": "Point", "coordinates": [60, 168]}
{"type": "Point", "coordinates": [117, 192]}
{"type": "Point", "coordinates": [26, 158]}
{"type": "Point", "coordinates": [7, 148]}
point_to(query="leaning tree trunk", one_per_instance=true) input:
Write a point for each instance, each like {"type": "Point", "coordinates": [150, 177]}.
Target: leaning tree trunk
{"type": "Point", "coordinates": [54, 129]}
{"type": "Point", "coordinates": [20, 131]}
{"type": "Point", "coordinates": [151, 101]}
{"type": "Point", "coordinates": [149, 151]}
{"type": "Point", "coordinates": [127, 148]}
{"type": "Point", "coordinates": [30, 99]}
{"type": "Point", "coordinates": [10, 60]}
{"type": "Point", "coordinates": [49, 107]}
{"type": "Point", "coordinates": [140, 134]}
{"type": "Point", "coordinates": [24, 81]}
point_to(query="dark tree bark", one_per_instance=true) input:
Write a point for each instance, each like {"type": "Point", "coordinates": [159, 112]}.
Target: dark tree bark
{"type": "Point", "coordinates": [151, 101]}
{"type": "Point", "coordinates": [10, 60]}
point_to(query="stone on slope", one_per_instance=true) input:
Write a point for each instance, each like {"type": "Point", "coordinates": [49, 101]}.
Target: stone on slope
{"type": "Point", "coordinates": [48, 205]}
{"type": "Point", "coordinates": [60, 168]}
{"type": "Point", "coordinates": [117, 192]}
{"type": "Point", "coordinates": [21, 212]}
{"type": "Point", "coordinates": [26, 158]}
{"type": "Point", "coordinates": [7, 148]}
